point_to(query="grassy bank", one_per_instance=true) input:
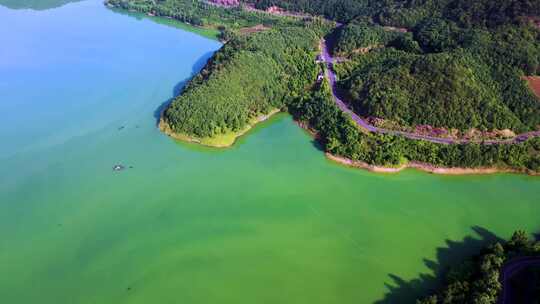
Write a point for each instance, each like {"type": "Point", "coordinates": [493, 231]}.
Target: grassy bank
{"type": "Point", "coordinates": [224, 140]}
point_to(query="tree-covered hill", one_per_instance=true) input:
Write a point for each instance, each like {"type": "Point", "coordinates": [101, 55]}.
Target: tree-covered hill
{"type": "Point", "coordinates": [453, 69]}
{"type": "Point", "coordinates": [407, 13]}
{"type": "Point", "coordinates": [442, 74]}
{"type": "Point", "coordinates": [249, 76]}
{"type": "Point", "coordinates": [460, 65]}
{"type": "Point", "coordinates": [449, 90]}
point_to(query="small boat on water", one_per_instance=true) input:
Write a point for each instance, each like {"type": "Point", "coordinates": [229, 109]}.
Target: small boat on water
{"type": "Point", "coordinates": [118, 168]}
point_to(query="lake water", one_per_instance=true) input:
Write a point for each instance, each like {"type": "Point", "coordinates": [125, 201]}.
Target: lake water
{"type": "Point", "coordinates": [267, 221]}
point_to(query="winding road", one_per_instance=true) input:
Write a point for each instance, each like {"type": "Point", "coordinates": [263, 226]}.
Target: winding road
{"type": "Point", "coordinates": [362, 123]}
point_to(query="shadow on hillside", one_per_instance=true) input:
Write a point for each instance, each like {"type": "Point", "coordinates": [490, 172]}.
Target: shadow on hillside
{"type": "Point", "coordinates": [454, 252]}
{"type": "Point", "coordinates": [179, 87]}
{"type": "Point", "coordinates": [332, 39]}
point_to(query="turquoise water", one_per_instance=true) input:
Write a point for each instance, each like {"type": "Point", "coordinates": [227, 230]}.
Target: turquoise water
{"type": "Point", "coordinates": [35, 4]}
{"type": "Point", "coordinates": [267, 221]}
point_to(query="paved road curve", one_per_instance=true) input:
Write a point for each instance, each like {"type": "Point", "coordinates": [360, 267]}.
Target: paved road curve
{"type": "Point", "coordinates": [331, 77]}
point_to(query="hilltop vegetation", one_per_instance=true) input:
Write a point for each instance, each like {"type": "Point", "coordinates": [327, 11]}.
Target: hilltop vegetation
{"type": "Point", "coordinates": [339, 10]}
{"type": "Point", "coordinates": [459, 66]}
{"type": "Point", "coordinates": [442, 75]}
{"type": "Point", "coordinates": [408, 13]}
{"type": "Point", "coordinates": [249, 76]}
{"type": "Point", "coordinates": [362, 36]}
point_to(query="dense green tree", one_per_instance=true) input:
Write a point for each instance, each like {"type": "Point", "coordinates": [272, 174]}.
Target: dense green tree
{"type": "Point", "coordinates": [437, 35]}
{"type": "Point", "coordinates": [354, 36]}
{"type": "Point", "coordinates": [248, 77]}
{"type": "Point", "coordinates": [476, 280]}
{"type": "Point", "coordinates": [444, 75]}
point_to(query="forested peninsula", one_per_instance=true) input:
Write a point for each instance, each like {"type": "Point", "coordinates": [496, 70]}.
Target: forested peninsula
{"type": "Point", "coordinates": [449, 69]}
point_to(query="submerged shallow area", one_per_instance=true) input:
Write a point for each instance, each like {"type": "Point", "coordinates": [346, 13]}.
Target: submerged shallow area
{"type": "Point", "coordinates": [269, 220]}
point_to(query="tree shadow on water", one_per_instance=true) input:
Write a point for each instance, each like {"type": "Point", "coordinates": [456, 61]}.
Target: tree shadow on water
{"type": "Point", "coordinates": [318, 145]}
{"type": "Point", "coordinates": [452, 254]}
{"type": "Point", "coordinates": [179, 87]}
{"type": "Point", "coordinates": [201, 62]}
{"type": "Point", "coordinates": [177, 90]}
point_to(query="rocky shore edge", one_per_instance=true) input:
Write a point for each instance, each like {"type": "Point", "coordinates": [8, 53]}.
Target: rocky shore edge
{"type": "Point", "coordinates": [426, 167]}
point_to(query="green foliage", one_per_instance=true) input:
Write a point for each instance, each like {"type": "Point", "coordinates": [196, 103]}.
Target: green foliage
{"type": "Point", "coordinates": [339, 10]}
{"type": "Point", "coordinates": [490, 13]}
{"type": "Point", "coordinates": [437, 35]}
{"type": "Point", "coordinates": [406, 43]}
{"type": "Point", "coordinates": [354, 36]}
{"type": "Point", "coordinates": [451, 90]}
{"type": "Point", "coordinates": [200, 13]}
{"type": "Point", "coordinates": [485, 13]}
{"type": "Point", "coordinates": [340, 136]}
{"type": "Point", "coordinates": [479, 279]}
{"type": "Point", "coordinates": [511, 52]}
{"type": "Point", "coordinates": [456, 69]}
{"type": "Point", "coordinates": [249, 76]}
{"type": "Point", "coordinates": [446, 76]}
{"type": "Point", "coordinates": [333, 126]}
{"type": "Point", "coordinates": [410, 13]}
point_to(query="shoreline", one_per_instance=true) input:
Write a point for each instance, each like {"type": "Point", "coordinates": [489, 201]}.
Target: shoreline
{"type": "Point", "coordinates": [229, 139]}
{"type": "Point", "coordinates": [220, 141]}
{"type": "Point", "coordinates": [209, 32]}
{"type": "Point", "coordinates": [425, 167]}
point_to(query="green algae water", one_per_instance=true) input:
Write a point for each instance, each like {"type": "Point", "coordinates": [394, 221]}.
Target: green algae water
{"type": "Point", "coordinates": [267, 221]}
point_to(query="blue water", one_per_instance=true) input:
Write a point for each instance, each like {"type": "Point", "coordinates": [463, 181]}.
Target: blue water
{"type": "Point", "coordinates": [54, 91]}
